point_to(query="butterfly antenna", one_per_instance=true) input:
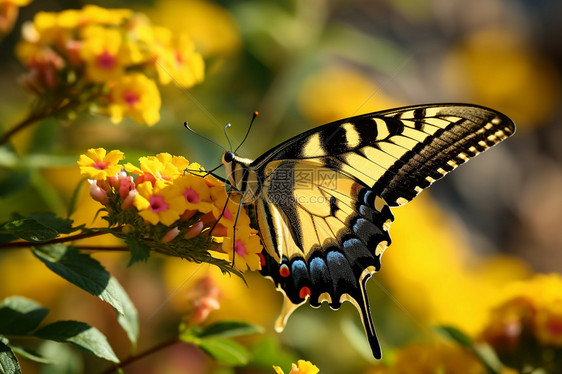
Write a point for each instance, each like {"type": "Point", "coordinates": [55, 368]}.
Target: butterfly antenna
{"type": "Point", "coordinates": [227, 126]}
{"type": "Point", "coordinates": [247, 132]}
{"type": "Point", "coordinates": [203, 136]}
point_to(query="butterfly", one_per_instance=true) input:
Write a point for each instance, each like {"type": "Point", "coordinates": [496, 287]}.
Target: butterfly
{"type": "Point", "coordinates": [323, 199]}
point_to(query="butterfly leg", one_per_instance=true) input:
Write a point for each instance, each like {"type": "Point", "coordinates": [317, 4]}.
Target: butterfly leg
{"type": "Point", "coordinates": [234, 233]}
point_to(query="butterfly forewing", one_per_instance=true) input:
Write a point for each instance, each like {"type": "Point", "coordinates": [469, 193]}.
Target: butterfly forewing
{"type": "Point", "coordinates": [399, 152]}
{"type": "Point", "coordinates": [323, 198]}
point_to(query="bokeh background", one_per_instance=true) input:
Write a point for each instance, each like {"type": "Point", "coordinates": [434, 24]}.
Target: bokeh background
{"type": "Point", "coordinates": [302, 63]}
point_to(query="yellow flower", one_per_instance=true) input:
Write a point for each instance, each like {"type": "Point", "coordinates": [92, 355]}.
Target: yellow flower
{"type": "Point", "coordinates": [137, 96]}
{"type": "Point", "coordinates": [219, 198]}
{"type": "Point", "coordinates": [548, 324]}
{"type": "Point", "coordinates": [210, 26]}
{"type": "Point", "coordinates": [95, 14]}
{"type": "Point", "coordinates": [304, 367]}
{"type": "Point", "coordinates": [529, 306]}
{"type": "Point", "coordinates": [181, 62]}
{"type": "Point", "coordinates": [246, 248]}
{"type": "Point", "coordinates": [173, 166]}
{"type": "Point", "coordinates": [101, 50]}
{"type": "Point", "coordinates": [19, 3]}
{"type": "Point", "coordinates": [162, 166]}
{"type": "Point", "coordinates": [98, 165]}
{"type": "Point", "coordinates": [196, 193]}
{"type": "Point", "coordinates": [156, 203]}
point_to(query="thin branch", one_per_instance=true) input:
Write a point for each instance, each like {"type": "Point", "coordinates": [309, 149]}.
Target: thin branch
{"type": "Point", "coordinates": [25, 244]}
{"type": "Point", "coordinates": [34, 117]}
{"type": "Point", "coordinates": [103, 248]}
{"type": "Point", "coordinates": [31, 119]}
{"type": "Point", "coordinates": [148, 352]}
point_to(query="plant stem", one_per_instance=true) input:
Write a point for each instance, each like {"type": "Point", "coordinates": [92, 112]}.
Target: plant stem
{"type": "Point", "coordinates": [141, 355]}
{"type": "Point", "coordinates": [34, 117]}
{"type": "Point", "coordinates": [25, 244]}
{"type": "Point", "coordinates": [103, 248]}
{"type": "Point", "coordinates": [31, 119]}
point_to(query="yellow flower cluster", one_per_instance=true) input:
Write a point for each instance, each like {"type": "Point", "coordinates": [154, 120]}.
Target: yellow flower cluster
{"type": "Point", "coordinates": [114, 54]}
{"type": "Point", "coordinates": [170, 191]}
{"type": "Point", "coordinates": [529, 316]}
{"type": "Point", "coordinates": [9, 10]}
{"type": "Point", "coordinates": [302, 367]}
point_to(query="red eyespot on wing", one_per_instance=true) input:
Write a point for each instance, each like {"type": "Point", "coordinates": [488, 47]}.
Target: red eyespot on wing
{"type": "Point", "coordinates": [304, 292]}
{"type": "Point", "coordinates": [284, 271]}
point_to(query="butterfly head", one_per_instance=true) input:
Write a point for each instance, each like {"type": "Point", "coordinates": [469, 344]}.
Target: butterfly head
{"type": "Point", "coordinates": [227, 157]}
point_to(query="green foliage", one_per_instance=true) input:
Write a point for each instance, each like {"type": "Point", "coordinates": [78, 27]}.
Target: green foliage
{"type": "Point", "coordinates": [215, 340]}
{"type": "Point", "coordinates": [87, 273]}
{"type": "Point", "coordinates": [268, 352]}
{"type": "Point", "coordinates": [21, 317]}
{"type": "Point", "coordinates": [455, 335]}
{"type": "Point", "coordinates": [13, 182]}
{"type": "Point", "coordinates": [140, 251]}
{"type": "Point", "coordinates": [230, 329]}
{"type": "Point", "coordinates": [8, 362]}
{"type": "Point", "coordinates": [80, 334]}
{"type": "Point", "coordinates": [484, 352]}
{"type": "Point", "coordinates": [38, 227]}
{"type": "Point", "coordinates": [225, 351]}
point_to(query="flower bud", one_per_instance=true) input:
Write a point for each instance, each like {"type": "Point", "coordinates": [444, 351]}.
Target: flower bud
{"type": "Point", "coordinates": [204, 297]}
{"type": "Point", "coordinates": [128, 201]}
{"type": "Point", "coordinates": [194, 230]}
{"type": "Point", "coordinates": [170, 235]}
{"type": "Point", "coordinates": [98, 193]}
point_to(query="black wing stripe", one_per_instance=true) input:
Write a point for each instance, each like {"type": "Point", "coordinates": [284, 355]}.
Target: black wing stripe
{"type": "Point", "coordinates": [466, 139]}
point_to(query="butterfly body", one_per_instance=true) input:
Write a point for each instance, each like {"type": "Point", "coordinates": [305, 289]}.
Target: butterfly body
{"type": "Point", "coordinates": [322, 199]}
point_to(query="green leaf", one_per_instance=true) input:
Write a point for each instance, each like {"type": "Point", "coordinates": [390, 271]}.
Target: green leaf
{"type": "Point", "coordinates": [88, 274]}
{"type": "Point", "coordinates": [80, 269]}
{"type": "Point", "coordinates": [30, 355]}
{"type": "Point", "coordinates": [13, 182]}
{"type": "Point", "coordinates": [28, 229]}
{"type": "Point", "coordinates": [68, 360]}
{"type": "Point", "coordinates": [6, 238]}
{"type": "Point", "coordinates": [129, 320]}
{"type": "Point", "coordinates": [19, 316]}
{"type": "Point", "coordinates": [140, 251]}
{"type": "Point", "coordinates": [267, 352]}
{"type": "Point", "coordinates": [80, 334]}
{"type": "Point", "coordinates": [489, 358]}
{"type": "Point", "coordinates": [455, 335]}
{"type": "Point", "coordinates": [225, 351]}
{"type": "Point", "coordinates": [229, 329]}
{"type": "Point", "coordinates": [38, 227]}
{"type": "Point", "coordinates": [8, 362]}
{"type": "Point", "coordinates": [61, 225]}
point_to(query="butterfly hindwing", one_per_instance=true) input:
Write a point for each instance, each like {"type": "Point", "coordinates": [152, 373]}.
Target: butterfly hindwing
{"type": "Point", "coordinates": [322, 199]}
{"type": "Point", "coordinates": [329, 230]}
